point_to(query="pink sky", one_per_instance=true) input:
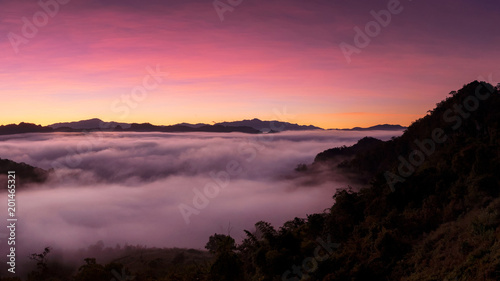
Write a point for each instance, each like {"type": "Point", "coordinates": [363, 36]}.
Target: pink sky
{"type": "Point", "coordinates": [264, 57]}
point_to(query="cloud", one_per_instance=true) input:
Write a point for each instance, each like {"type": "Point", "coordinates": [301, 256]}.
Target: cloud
{"type": "Point", "coordinates": [127, 187]}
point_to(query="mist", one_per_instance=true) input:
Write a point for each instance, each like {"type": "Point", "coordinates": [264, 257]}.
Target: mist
{"type": "Point", "coordinates": [129, 187]}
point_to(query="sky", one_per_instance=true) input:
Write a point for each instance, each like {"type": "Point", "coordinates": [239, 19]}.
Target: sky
{"type": "Point", "coordinates": [167, 62]}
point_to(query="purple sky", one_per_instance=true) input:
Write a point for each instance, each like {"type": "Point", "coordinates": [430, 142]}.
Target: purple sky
{"type": "Point", "coordinates": [88, 59]}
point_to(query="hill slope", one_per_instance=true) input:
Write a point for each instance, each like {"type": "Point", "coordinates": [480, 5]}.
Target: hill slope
{"type": "Point", "coordinates": [436, 217]}
{"type": "Point", "coordinates": [24, 172]}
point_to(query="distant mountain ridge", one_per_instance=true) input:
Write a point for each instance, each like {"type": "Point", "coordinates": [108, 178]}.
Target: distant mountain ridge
{"type": "Point", "coordinates": [255, 123]}
{"type": "Point", "coordinates": [253, 126]}
{"type": "Point", "coordinates": [382, 127]}
{"type": "Point", "coordinates": [23, 128]}
{"type": "Point", "coordinates": [197, 125]}
{"type": "Point", "coordinates": [272, 125]}
{"type": "Point", "coordinates": [94, 123]}
{"type": "Point", "coordinates": [99, 125]}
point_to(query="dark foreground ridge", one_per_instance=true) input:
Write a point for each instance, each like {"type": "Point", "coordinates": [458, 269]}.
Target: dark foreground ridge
{"type": "Point", "coordinates": [29, 173]}
{"type": "Point", "coordinates": [431, 212]}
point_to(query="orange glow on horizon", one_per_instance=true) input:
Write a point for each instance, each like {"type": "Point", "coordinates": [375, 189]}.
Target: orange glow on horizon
{"type": "Point", "coordinates": [87, 61]}
{"type": "Point", "coordinates": [325, 121]}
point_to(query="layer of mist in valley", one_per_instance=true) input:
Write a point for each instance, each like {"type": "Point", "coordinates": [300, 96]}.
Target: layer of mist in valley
{"type": "Point", "coordinates": [130, 188]}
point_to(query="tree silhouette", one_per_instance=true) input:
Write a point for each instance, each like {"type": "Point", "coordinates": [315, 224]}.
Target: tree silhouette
{"type": "Point", "coordinates": [227, 264]}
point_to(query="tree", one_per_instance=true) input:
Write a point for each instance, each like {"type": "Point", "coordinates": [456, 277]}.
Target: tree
{"type": "Point", "coordinates": [41, 272]}
{"type": "Point", "coordinates": [220, 243]}
{"type": "Point", "coordinates": [92, 271]}
{"type": "Point", "coordinates": [227, 265]}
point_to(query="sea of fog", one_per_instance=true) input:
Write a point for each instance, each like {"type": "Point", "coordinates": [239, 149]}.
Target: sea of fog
{"type": "Point", "coordinates": [164, 189]}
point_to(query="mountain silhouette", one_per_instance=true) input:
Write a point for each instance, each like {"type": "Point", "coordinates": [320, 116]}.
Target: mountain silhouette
{"type": "Point", "coordinates": [147, 127]}
{"type": "Point", "coordinates": [95, 123]}
{"type": "Point", "coordinates": [99, 125]}
{"type": "Point", "coordinates": [429, 210]}
{"type": "Point", "coordinates": [197, 125]}
{"type": "Point", "coordinates": [245, 126]}
{"type": "Point", "coordinates": [430, 207]}
{"type": "Point", "coordinates": [274, 125]}
{"type": "Point", "coordinates": [446, 117]}
{"type": "Point", "coordinates": [383, 127]}
{"type": "Point", "coordinates": [23, 128]}
{"type": "Point", "coordinates": [89, 124]}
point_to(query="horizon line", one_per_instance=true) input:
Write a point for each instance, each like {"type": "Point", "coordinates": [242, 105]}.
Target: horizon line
{"type": "Point", "coordinates": [198, 123]}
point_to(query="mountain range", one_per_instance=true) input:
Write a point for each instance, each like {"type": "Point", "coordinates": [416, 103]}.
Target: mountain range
{"type": "Point", "coordinates": [257, 124]}
{"type": "Point", "coordinates": [253, 126]}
